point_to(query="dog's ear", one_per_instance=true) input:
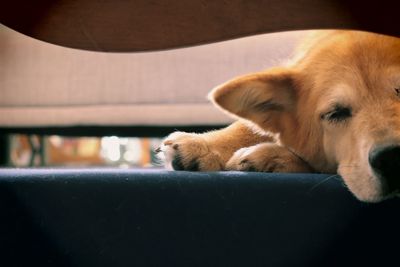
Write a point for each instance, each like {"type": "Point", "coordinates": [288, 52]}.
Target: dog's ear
{"type": "Point", "coordinates": [266, 98]}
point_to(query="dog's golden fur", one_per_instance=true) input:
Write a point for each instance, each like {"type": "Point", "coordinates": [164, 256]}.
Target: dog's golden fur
{"type": "Point", "coordinates": [323, 112]}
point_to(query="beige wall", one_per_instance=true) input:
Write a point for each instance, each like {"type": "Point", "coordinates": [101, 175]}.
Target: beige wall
{"type": "Point", "coordinates": [44, 84]}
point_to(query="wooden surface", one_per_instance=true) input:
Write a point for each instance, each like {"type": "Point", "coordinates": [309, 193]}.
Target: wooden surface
{"type": "Point", "coordinates": [143, 25]}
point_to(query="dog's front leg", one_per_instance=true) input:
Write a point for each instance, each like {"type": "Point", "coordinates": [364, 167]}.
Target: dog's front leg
{"type": "Point", "coordinates": [267, 157]}
{"type": "Point", "coordinates": [208, 151]}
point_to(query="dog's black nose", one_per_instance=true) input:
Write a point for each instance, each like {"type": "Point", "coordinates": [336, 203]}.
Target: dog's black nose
{"type": "Point", "coordinates": [385, 161]}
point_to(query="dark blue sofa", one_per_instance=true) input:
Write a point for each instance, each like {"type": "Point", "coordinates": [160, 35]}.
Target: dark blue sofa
{"type": "Point", "coordinates": [111, 217]}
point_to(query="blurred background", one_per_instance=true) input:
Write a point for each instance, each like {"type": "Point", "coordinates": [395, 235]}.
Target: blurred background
{"type": "Point", "coordinates": [124, 152]}
{"type": "Point", "coordinates": [113, 109]}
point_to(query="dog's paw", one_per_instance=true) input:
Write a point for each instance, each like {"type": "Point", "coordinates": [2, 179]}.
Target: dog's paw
{"type": "Point", "coordinates": [266, 157]}
{"type": "Point", "coordinates": [190, 152]}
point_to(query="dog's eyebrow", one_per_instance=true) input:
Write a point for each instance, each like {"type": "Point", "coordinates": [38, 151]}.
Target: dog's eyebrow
{"type": "Point", "coordinates": [268, 106]}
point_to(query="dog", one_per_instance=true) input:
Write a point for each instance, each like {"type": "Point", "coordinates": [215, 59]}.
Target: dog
{"type": "Point", "coordinates": [335, 108]}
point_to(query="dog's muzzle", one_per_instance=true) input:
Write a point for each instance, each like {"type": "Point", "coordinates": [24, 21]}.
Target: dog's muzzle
{"type": "Point", "coordinates": [385, 162]}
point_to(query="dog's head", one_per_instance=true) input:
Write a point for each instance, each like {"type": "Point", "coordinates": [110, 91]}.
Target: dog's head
{"type": "Point", "coordinates": [338, 108]}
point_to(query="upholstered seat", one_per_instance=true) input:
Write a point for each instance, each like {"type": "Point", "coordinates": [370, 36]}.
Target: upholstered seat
{"type": "Point", "coordinates": [103, 217]}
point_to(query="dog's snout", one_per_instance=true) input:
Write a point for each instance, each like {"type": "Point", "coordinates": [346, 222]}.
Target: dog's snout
{"type": "Point", "coordinates": [385, 162]}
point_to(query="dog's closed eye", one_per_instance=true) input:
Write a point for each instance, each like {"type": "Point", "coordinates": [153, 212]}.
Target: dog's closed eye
{"type": "Point", "coordinates": [397, 90]}
{"type": "Point", "coordinates": [337, 114]}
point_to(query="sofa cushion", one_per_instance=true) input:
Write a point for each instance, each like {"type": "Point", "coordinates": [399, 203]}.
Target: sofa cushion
{"type": "Point", "coordinates": [110, 217]}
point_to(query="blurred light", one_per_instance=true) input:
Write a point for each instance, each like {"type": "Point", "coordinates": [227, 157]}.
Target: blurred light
{"type": "Point", "coordinates": [123, 141]}
{"type": "Point", "coordinates": [111, 148]}
{"type": "Point", "coordinates": [135, 150]}
{"type": "Point", "coordinates": [55, 140]}
{"type": "Point", "coordinates": [129, 156]}
{"type": "Point", "coordinates": [88, 147]}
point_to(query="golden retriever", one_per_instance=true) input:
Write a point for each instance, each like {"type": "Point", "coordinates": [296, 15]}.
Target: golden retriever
{"type": "Point", "coordinates": [334, 108]}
